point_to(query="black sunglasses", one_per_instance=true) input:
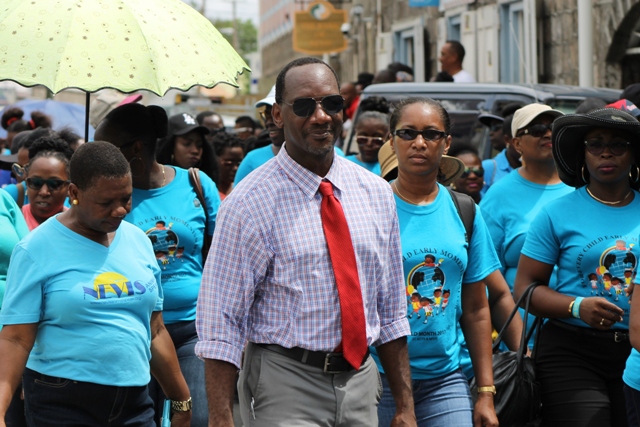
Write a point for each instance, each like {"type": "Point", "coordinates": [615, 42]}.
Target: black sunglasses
{"type": "Point", "coordinates": [479, 172]}
{"type": "Point", "coordinates": [427, 134]}
{"type": "Point", "coordinates": [305, 107]}
{"type": "Point", "coordinates": [495, 127]}
{"type": "Point", "coordinates": [52, 184]}
{"type": "Point", "coordinates": [597, 147]}
{"type": "Point", "coordinates": [536, 131]}
{"type": "Point", "coordinates": [375, 140]}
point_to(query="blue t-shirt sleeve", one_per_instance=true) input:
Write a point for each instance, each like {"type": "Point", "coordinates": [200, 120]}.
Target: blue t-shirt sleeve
{"type": "Point", "coordinates": [212, 198]}
{"type": "Point", "coordinates": [482, 256]}
{"type": "Point", "coordinates": [495, 225]}
{"type": "Point", "coordinates": [12, 189]}
{"type": "Point", "coordinates": [245, 168]}
{"type": "Point", "coordinates": [542, 243]}
{"type": "Point", "coordinates": [15, 213]}
{"type": "Point", "coordinates": [24, 291]}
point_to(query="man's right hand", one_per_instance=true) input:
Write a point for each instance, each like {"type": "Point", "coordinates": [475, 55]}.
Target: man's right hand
{"type": "Point", "coordinates": [404, 419]}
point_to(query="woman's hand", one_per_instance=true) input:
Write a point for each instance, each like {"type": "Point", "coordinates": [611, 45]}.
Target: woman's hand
{"type": "Point", "coordinates": [599, 313]}
{"type": "Point", "coordinates": [484, 414]}
{"type": "Point", "coordinates": [181, 419]}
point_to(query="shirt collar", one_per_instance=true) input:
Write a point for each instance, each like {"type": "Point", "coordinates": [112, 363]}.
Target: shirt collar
{"type": "Point", "coordinates": [306, 180]}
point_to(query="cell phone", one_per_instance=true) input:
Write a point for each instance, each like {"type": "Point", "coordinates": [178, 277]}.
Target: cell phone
{"type": "Point", "coordinates": [165, 421]}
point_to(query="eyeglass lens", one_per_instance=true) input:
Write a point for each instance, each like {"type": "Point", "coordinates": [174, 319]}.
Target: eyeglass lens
{"type": "Point", "coordinates": [427, 134]}
{"type": "Point", "coordinates": [479, 172]}
{"type": "Point", "coordinates": [305, 107]}
{"type": "Point", "coordinates": [52, 184]}
{"type": "Point", "coordinates": [597, 147]}
{"type": "Point", "coordinates": [364, 140]}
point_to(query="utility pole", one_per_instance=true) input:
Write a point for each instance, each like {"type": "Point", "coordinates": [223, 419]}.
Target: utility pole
{"type": "Point", "coordinates": [235, 25]}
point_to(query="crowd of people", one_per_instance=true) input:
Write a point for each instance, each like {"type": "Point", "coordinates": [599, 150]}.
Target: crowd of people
{"type": "Point", "coordinates": [262, 277]}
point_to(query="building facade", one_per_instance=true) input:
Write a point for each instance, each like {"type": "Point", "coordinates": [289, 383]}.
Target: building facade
{"type": "Point", "coordinates": [519, 41]}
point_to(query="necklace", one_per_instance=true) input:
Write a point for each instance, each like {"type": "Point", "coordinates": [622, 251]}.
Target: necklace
{"type": "Point", "coordinates": [395, 185]}
{"type": "Point", "coordinates": [164, 178]}
{"type": "Point", "coordinates": [609, 203]}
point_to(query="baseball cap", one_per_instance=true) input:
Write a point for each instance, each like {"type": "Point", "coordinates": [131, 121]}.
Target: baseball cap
{"type": "Point", "coordinates": [626, 105]}
{"type": "Point", "coordinates": [525, 115]}
{"type": "Point", "coordinates": [184, 123]}
{"type": "Point", "coordinates": [269, 100]}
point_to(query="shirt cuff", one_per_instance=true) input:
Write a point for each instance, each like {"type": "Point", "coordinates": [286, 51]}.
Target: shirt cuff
{"type": "Point", "coordinates": [393, 331]}
{"type": "Point", "coordinates": [219, 351]}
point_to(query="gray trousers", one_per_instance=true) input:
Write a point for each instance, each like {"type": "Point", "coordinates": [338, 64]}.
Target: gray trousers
{"type": "Point", "coordinates": [276, 391]}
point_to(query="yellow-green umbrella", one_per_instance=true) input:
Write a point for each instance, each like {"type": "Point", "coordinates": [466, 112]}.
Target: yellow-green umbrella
{"type": "Point", "coordinates": [128, 45]}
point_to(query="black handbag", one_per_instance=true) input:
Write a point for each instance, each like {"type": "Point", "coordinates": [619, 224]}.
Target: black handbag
{"type": "Point", "coordinates": [517, 399]}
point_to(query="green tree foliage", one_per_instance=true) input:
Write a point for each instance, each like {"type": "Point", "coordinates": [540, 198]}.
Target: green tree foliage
{"type": "Point", "coordinates": [247, 34]}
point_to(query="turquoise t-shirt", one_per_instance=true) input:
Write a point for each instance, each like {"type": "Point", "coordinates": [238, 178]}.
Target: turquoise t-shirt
{"type": "Point", "coordinates": [594, 246]}
{"type": "Point", "coordinates": [12, 229]}
{"type": "Point", "coordinates": [174, 220]}
{"type": "Point", "coordinates": [509, 207]}
{"type": "Point", "coordinates": [631, 374]}
{"type": "Point", "coordinates": [92, 303]}
{"type": "Point", "coordinates": [12, 189]}
{"type": "Point", "coordinates": [436, 264]}
{"type": "Point", "coordinates": [252, 161]}
{"type": "Point", "coordinates": [371, 167]}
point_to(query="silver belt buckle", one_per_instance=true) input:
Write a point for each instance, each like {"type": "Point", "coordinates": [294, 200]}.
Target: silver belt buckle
{"type": "Point", "coordinates": [619, 336]}
{"type": "Point", "coordinates": [327, 363]}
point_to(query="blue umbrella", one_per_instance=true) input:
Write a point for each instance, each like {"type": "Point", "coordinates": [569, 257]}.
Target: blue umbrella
{"type": "Point", "coordinates": [63, 114]}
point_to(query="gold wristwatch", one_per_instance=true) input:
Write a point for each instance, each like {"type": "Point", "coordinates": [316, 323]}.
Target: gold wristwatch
{"type": "Point", "coordinates": [487, 389]}
{"type": "Point", "coordinates": [181, 405]}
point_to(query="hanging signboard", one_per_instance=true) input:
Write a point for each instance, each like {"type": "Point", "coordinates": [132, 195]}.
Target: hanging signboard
{"type": "Point", "coordinates": [423, 3]}
{"type": "Point", "coordinates": [317, 30]}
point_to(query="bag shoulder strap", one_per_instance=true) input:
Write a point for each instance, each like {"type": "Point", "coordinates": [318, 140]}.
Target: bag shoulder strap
{"type": "Point", "coordinates": [466, 208]}
{"type": "Point", "coordinates": [194, 179]}
{"type": "Point", "coordinates": [21, 191]}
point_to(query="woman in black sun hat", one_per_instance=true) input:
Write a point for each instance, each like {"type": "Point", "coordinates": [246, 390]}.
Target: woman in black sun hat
{"type": "Point", "coordinates": [583, 348]}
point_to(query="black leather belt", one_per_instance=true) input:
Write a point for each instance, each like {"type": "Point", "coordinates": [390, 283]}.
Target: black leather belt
{"type": "Point", "coordinates": [615, 335]}
{"type": "Point", "coordinates": [330, 363]}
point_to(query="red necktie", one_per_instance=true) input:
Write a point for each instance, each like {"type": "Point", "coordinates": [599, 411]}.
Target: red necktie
{"type": "Point", "coordinates": [343, 260]}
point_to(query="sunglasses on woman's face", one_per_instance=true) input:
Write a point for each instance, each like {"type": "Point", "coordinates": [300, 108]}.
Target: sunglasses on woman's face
{"type": "Point", "coordinates": [597, 147]}
{"type": "Point", "coordinates": [536, 131]}
{"type": "Point", "coordinates": [305, 107]}
{"type": "Point", "coordinates": [479, 172]}
{"type": "Point", "coordinates": [375, 140]}
{"type": "Point", "coordinates": [427, 134]}
{"type": "Point", "coordinates": [52, 184]}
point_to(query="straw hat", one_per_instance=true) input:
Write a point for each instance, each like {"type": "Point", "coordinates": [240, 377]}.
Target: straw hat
{"type": "Point", "coordinates": [450, 167]}
{"type": "Point", "coordinates": [568, 135]}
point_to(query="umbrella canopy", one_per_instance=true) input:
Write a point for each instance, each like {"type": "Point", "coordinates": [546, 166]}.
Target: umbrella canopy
{"type": "Point", "coordinates": [63, 114]}
{"type": "Point", "coordinates": [126, 45]}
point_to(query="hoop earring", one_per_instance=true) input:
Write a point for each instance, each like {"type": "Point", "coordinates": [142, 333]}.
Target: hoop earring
{"type": "Point", "coordinates": [637, 175]}
{"type": "Point", "coordinates": [584, 179]}
{"type": "Point", "coordinates": [131, 167]}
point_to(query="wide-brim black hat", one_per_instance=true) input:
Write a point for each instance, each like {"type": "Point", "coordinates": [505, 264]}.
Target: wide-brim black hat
{"type": "Point", "coordinates": [568, 138]}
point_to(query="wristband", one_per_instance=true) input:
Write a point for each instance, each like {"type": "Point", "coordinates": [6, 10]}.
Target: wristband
{"type": "Point", "coordinates": [575, 310]}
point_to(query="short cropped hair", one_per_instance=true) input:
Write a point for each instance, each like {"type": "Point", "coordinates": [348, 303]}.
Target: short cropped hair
{"type": "Point", "coordinates": [457, 48]}
{"type": "Point", "coordinates": [298, 63]}
{"type": "Point", "coordinates": [96, 160]}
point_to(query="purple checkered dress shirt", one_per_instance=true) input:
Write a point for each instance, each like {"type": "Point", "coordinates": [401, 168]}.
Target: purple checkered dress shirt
{"type": "Point", "coordinates": [268, 277]}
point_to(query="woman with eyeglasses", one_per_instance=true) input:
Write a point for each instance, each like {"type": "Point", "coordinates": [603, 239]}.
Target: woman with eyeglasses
{"type": "Point", "coordinates": [444, 274]}
{"type": "Point", "coordinates": [371, 132]}
{"type": "Point", "coordinates": [471, 181]}
{"type": "Point", "coordinates": [229, 152]}
{"type": "Point", "coordinates": [511, 204]}
{"type": "Point", "coordinates": [591, 236]}
{"type": "Point", "coordinates": [186, 146]}
{"type": "Point", "coordinates": [166, 206]}
{"type": "Point", "coordinates": [47, 179]}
